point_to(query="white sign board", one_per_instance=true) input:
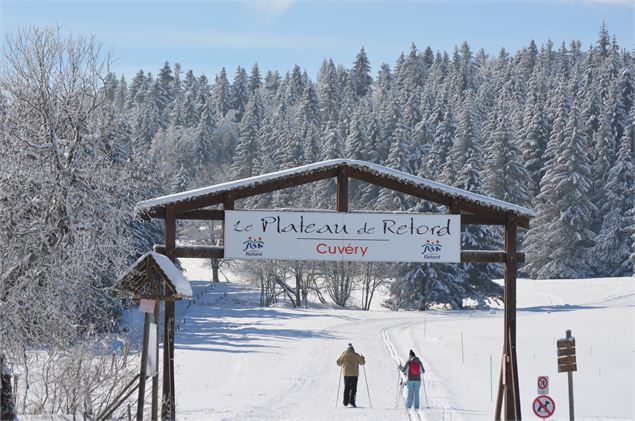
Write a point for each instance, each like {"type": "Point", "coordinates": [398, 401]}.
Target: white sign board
{"type": "Point", "coordinates": [146, 306]}
{"type": "Point", "coordinates": [338, 236]}
{"type": "Point", "coordinates": [152, 366]}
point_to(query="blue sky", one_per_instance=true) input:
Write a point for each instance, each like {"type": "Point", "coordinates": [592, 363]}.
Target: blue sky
{"type": "Point", "coordinates": [206, 35]}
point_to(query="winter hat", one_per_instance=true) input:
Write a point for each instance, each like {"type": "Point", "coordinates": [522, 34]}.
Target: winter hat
{"type": "Point", "coordinates": [350, 346]}
{"type": "Point", "coordinates": [412, 353]}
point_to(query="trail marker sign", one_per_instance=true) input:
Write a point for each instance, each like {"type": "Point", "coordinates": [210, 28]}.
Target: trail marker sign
{"type": "Point", "coordinates": [544, 406]}
{"type": "Point", "coordinates": [543, 385]}
{"type": "Point", "coordinates": [567, 364]}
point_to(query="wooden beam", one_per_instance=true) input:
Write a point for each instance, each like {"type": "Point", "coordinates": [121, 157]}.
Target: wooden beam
{"type": "Point", "coordinates": [195, 252]}
{"type": "Point", "coordinates": [254, 190]}
{"type": "Point", "coordinates": [395, 185]}
{"type": "Point", "coordinates": [479, 220]}
{"type": "Point", "coordinates": [217, 252]}
{"type": "Point", "coordinates": [203, 214]}
{"type": "Point", "coordinates": [435, 196]}
{"type": "Point", "coordinates": [219, 215]}
{"type": "Point", "coordinates": [492, 216]}
{"type": "Point", "coordinates": [487, 256]}
{"type": "Point", "coordinates": [341, 203]}
{"type": "Point", "coordinates": [454, 207]}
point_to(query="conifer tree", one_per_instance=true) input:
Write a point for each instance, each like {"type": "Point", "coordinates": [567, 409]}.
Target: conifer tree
{"type": "Point", "coordinates": [190, 111]}
{"type": "Point", "coordinates": [248, 148]}
{"type": "Point", "coordinates": [255, 82]}
{"type": "Point", "coordinates": [361, 80]}
{"type": "Point", "coordinates": [610, 256]}
{"type": "Point", "coordinates": [221, 102]}
{"type": "Point", "coordinates": [506, 178]}
{"type": "Point", "coordinates": [329, 94]}
{"type": "Point", "coordinates": [239, 92]}
{"type": "Point", "coordinates": [561, 236]}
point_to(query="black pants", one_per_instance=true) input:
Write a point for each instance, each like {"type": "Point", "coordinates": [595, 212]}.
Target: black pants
{"type": "Point", "coordinates": [350, 389]}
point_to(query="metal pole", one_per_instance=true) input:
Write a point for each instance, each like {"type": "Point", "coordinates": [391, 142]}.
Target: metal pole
{"type": "Point", "coordinates": [425, 391]}
{"type": "Point", "coordinates": [367, 391]}
{"type": "Point", "coordinates": [570, 381]}
{"type": "Point", "coordinates": [570, 378]}
{"type": "Point", "coordinates": [339, 383]}
{"type": "Point", "coordinates": [398, 388]}
{"type": "Point", "coordinates": [155, 379]}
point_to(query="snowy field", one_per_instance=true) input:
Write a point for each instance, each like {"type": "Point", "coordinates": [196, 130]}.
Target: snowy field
{"type": "Point", "coordinates": [237, 361]}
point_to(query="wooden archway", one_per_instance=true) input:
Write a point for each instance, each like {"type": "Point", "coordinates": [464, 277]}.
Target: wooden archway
{"type": "Point", "coordinates": [209, 203]}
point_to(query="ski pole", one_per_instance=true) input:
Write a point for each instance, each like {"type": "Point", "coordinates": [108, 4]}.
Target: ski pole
{"type": "Point", "coordinates": [338, 387]}
{"type": "Point", "coordinates": [423, 379]}
{"type": "Point", "coordinates": [367, 391]}
{"type": "Point", "coordinates": [398, 387]}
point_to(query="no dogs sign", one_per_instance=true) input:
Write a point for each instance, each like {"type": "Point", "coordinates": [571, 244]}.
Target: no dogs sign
{"type": "Point", "coordinates": [544, 406]}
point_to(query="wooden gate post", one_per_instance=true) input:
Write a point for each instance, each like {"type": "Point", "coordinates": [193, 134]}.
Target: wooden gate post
{"type": "Point", "coordinates": [168, 407]}
{"type": "Point", "coordinates": [144, 363]}
{"type": "Point", "coordinates": [508, 388]}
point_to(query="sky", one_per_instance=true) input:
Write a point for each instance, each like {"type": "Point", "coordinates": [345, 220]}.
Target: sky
{"type": "Point", "coordinates": [205, 35]}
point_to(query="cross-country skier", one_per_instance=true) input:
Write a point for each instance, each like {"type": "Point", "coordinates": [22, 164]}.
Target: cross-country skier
{"type": "Point", "coordinates": [414, 370]}
{"type": "Point", "coordinates": [350, 362]}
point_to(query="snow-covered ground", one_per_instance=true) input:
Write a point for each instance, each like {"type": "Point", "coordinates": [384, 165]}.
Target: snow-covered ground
{"type": "Point", "coordinates": [235, 360]}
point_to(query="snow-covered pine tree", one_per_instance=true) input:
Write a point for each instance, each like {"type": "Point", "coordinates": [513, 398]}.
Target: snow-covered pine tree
{"type": "Point", "coordinates": [329, 93]}
{"type": "Point", "coordinates": [239, 93]}
{"type": "Point", "coordinates": [505, 176]}
{"type": "Point", "coordinates": [610, 256]}
{"type": "Point", "coordinates": [397, 159]}
{"type": "Point", "coordinates": [361, 80]}
{"type": "Point", "coordinates": [271, 84]}
{"type": "Point", "coordinates": [356, 140]}
{"type": "Point", "coordinates": [221, 96]}
{"type": "Point", "coordinates": [190, 110]}
{"type": "Point", "coordinates": [561, 237]}
{"type": "Point", "coordinates": [255, 81]}
{"type": "Point", "coordinates": [248, 148]}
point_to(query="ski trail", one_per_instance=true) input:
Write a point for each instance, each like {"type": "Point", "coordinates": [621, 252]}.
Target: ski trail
{"type": "Point", "coordinates": [399, 362]}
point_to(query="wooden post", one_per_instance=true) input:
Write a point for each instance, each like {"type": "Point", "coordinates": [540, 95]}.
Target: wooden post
{"type": "Point", "coordinates": [501, 389]}
{"type": "Point", "coordinates": [510, 373]}
{"type": "Point", "coordinates": [144, 363]}
{"type": "Point", "coordinates": [341, 203]}
{"type": "Point", "coordinates": [155, 379]}
{"type": "Point", "coordinates": [228, 204]}
{"type": "Point", "coordinates": [168, 404]}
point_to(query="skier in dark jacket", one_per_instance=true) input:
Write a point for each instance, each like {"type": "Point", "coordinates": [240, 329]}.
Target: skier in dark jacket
{"type": "Point", "coordinates": [414, 370]}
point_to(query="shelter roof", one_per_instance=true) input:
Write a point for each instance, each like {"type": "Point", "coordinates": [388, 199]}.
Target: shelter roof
{"type": "Point", "coordinates": [154, 276]}
{"type": "Point", "coordinates": [361, 170]}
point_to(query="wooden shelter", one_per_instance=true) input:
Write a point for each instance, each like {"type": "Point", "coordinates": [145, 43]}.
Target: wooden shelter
{"type": "Point", "coordinates": [209, 203]}
{"type": "Point", "coordinates": [152, 277]}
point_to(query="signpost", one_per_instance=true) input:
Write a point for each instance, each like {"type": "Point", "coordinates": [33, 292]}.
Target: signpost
{"type": "Point", "coordinates": [567, 364]}
{"type": "Point", "coordinates": [544, 406]}
{"type": "Point", "coordinates": [543, 385]}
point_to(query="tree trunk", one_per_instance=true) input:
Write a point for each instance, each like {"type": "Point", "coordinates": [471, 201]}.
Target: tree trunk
{"type": "Point", "coordinates": [7, 408]}
{"type": "Point", "coordinates": [215, 266]}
